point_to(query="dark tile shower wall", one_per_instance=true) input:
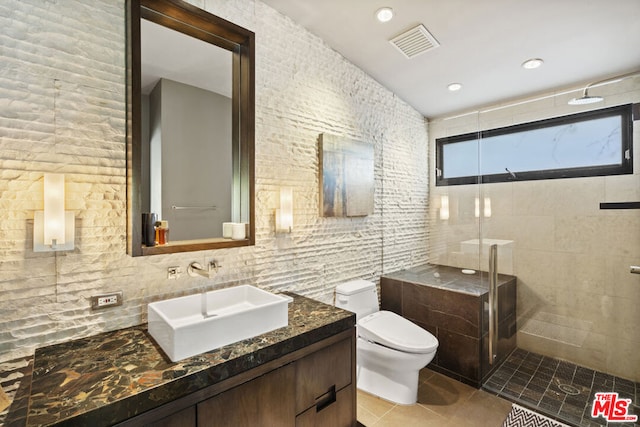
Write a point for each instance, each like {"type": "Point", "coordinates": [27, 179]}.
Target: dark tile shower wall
{"type": "Point", "coordinates": [453, 307]}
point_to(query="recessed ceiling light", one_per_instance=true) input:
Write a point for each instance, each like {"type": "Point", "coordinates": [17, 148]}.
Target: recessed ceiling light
{"type": "Point", "coordinates": [384, 14]}
{"type": "Point", "coordinates": [454, 87]}
{"type": "Point", "coordinates": [532, 63]}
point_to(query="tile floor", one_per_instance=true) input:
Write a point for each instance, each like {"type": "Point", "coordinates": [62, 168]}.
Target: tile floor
{"type": "Point", "coordinates": [559, 389]}
{"type": "Point", "coordinates": [442, 402]}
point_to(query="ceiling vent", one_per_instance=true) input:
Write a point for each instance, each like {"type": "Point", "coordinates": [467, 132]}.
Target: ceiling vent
{"type": "Point", "coordinates": [415, 41]}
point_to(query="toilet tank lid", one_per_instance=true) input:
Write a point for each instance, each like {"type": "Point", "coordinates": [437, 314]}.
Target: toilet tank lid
{"type": "Point", "coordinates": [354, 286]}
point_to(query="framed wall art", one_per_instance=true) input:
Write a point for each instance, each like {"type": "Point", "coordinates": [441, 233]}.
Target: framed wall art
{"type": "Point", "coordinates": [346, 176]}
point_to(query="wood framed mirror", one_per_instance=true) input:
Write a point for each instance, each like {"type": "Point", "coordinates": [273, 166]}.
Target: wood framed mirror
{"type": "Point", "coordinates": [190, 126]}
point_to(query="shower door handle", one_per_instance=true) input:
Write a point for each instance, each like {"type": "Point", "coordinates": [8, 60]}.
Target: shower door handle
{"type": "Point", "coordinates": [635, 269]}
{"type": "Point", "coordinates": [493, 303]}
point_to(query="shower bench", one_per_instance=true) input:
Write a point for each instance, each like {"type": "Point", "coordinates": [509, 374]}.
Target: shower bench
{"type": "Point", "coordinates": [454, 307]}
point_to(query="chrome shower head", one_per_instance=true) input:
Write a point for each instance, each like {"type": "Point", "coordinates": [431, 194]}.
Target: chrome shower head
{"type": "Point", "coordinates": [585, 99]}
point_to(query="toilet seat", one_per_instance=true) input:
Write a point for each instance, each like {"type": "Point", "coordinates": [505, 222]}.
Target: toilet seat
{"type": "Point", "coordinates": [391, 330]}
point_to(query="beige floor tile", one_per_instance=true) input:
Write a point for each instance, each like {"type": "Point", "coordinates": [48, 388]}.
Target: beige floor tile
{"type": "Point", "coordinates": [442, 394]}
{"type": "Point", "coordinates": [425, 374]}
{"type": "Point", "coordinates": [442, 402]}
{"type": "Point", "coordinates": [375, 405]}
{"type": "Point", "coordinates": [484, 409]}
{"type": "Point", "coordinates": [366, 417]}
{"type": "Point", "coordinates": [411, 416]}
{"type": "Point", "coordinates": [466, 423]}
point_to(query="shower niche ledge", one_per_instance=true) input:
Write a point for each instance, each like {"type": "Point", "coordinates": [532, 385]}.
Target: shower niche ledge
{"type": "Point", "coordinates": [454, 307]}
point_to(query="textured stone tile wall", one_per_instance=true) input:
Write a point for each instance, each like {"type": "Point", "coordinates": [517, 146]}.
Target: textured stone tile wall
{"type": "Point", "coordinates": [62, 109]}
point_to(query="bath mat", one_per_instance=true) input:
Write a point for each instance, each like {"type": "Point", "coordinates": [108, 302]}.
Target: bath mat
{"type": "Point", "coordinates": [522, 417]}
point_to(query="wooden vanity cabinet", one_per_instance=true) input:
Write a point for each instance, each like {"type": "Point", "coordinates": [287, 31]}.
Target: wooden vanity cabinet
{"type": "Point", "coordinates": [265, 401]}
{"type": "Point", "coordinates": [185, 417]}
{"type": "Point", "coordinates": [340, 413]}
{"type": "Point", "coordinates": [325, 387]}
{"type": "Point", "coordinates": [312, 387]}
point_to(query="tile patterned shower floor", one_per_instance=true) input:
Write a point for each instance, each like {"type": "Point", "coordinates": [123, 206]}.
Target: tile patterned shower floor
{"type": "Point", "coordinates": [559, 389]}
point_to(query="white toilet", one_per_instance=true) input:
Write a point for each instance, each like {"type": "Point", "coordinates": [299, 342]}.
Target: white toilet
{"type": "Point", "coordinates": [391, 350]}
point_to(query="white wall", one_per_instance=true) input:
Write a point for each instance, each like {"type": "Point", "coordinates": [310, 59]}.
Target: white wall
{"type": "Point", "coordinates": [62, 109]}
{"type": "Point", "coordinates": [196, 137]}
{"type": "Point", "coordinates": [576, 298]}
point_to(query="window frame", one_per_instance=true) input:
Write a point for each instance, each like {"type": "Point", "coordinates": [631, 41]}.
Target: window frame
{"type": "Point", "coordinates": [625, 167]}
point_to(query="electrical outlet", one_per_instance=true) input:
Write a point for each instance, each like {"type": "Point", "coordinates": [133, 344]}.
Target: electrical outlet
{"type": "Point", "coordinates": [174, 272]}
{"type": "Point", "coordinates": [110, 300]}
{"type": "Point", "coordinates": [98, 302]}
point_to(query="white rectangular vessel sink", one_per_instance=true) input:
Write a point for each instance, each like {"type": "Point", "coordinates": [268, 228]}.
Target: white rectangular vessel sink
{"type": "Point", "coordinates": [194, 324]}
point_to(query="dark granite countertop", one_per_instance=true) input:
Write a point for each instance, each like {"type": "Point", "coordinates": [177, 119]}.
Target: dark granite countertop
{"type": "Point", "coordinates": [106, 378]}
{"type": "Point", "coordinates": [448, 278]}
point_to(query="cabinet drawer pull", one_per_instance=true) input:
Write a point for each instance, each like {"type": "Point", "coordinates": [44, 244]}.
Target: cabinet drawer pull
{"type": "Point", "coordinates": [326, 399]}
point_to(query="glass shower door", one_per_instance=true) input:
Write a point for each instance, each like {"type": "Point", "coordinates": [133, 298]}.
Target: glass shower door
{"type": "Point", "coordinates": [568, 241]}
{"type": "Point", "coordinates": [496, 244]}
{"type": "Point", "coordinates": [456, 251]}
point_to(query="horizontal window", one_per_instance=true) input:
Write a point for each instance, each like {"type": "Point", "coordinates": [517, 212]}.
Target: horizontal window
{"type": "Point", "coordinates": [593, 143]}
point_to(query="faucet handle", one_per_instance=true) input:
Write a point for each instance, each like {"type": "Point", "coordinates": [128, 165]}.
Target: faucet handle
{"type": "Point", "coordinates": [214, 265]}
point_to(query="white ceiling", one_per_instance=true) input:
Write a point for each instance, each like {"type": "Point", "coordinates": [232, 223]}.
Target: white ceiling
{"type": "Point", "coordinates": [482, 45]}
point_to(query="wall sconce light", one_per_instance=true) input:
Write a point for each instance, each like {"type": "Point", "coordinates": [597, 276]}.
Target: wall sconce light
{"type": "Point", "coordinates": [486, 207]}
{"type": "Point", "coordinates": [284, 215]}
{"type": "Point", "coordinates": [53, 228]}
{"type": "Point", "coordinates": [444, 207]}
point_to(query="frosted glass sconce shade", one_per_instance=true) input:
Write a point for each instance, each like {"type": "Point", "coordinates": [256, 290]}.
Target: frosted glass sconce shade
{"type": "Point", "coordinates": [54, 209]}
{"type": "Point", "coordinates": [284, 215]}
{"type": "Point", "coordinates": [487, 207]}
{"type": "Point", "coordinates": [54, 227]}
{"type": "Point", "coordinates": [444, 207]}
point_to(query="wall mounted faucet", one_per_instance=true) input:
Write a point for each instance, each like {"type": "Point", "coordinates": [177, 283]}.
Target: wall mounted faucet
{"type": "Point", "coordinates": [196, 269]}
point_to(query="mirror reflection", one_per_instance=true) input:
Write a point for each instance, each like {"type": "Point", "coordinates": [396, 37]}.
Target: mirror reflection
{"type": "Point", "coordinates": [190, 139]}
{"type": "Point", "coordinates": [186, 87]}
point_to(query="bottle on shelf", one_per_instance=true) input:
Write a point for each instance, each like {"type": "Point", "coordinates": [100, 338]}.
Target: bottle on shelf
{"type": "Point", "coordinates": [162, 232]}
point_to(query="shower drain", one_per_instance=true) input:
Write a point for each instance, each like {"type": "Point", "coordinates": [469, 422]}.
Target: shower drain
{"type": "Point", "coordinates": [569, 389]}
